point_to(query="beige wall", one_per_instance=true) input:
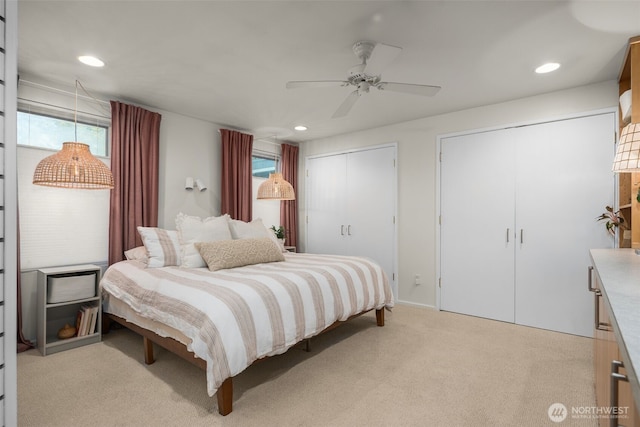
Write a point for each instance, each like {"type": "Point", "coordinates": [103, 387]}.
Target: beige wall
{"type": "Point", "coordinates": [417, 180]}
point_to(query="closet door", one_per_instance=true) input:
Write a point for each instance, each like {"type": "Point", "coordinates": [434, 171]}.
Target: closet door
{"type": "Point", "coordinates": [327, 205]}
{"type": "Point", "coordinates": [371, 184]}
{"type": "Point", "coordinates": [477, 225]}
{"type": "Point", "coordinates": [563, 182]}
{"type": "Point", "coordinates": [351, 203]}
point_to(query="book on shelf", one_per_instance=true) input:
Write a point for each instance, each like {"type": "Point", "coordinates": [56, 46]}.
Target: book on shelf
{"type": "Point", "coordinates": [86, 320]}
{"type": "Point", "coordinates": [78, 322]}
{"type": "Point", "coordinates": [94, 320]}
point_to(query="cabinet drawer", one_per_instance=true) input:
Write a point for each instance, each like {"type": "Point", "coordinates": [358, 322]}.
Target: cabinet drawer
{"type": "Point", "coordinates": [71, 288]}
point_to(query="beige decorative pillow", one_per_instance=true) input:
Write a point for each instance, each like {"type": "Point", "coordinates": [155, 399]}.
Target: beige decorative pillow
{"type": "Point", "coordinates": [136, 254]}
{"type": "Point", "coordinates": [236, 253]}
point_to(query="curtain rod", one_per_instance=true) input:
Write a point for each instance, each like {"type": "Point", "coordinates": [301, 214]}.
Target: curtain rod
{"type": "Point", "coordinates": [29, 83]}
{"type": "Point", "coordinates": [263, 139]}
{"type": "Point", "coordinates": [57, 107]}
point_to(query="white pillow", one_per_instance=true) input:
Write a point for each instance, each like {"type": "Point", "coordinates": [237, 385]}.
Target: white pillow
{"type": "Point", "coordinates": [253, 230]}
{"type": "Point", "coordinates": [192, 229]}
{"type": "Point", "coordinates": [163, 246]}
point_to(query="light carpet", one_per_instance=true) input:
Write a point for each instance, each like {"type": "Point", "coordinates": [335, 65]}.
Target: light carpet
{"type": "Point", "coordinates": [423, 368]}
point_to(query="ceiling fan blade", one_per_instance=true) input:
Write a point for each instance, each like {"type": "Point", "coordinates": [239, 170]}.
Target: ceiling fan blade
{"type": "Point", "coordinates": [346, 105]}
{"type": "Point", "coordinates": [423, 90]}
{"type": "Point", "coordinates": [319, 83]}
{"type": "Point", "coordinates": [381, 56]}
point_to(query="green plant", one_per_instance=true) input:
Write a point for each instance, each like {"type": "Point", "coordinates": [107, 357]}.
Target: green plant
{"type": "Point", "coordinates": [279, 231]}
{"type": "Point", "coordinates": [614, 220]}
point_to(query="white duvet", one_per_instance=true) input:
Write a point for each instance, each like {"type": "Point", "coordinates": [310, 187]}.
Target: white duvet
{"type": "Point", "coordinates": [236, 316]}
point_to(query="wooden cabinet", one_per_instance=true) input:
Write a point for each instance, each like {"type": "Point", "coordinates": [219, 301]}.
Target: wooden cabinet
{"type": "Point", "coordinates": [351, 205]}
{"type": "Point", "coordinates": [629, 183]}
{"type": "Point", "coordinates": [56, 308]}
{"type": "Point", "coordinates": [515, 199]}
{"type": "Point", "coordinates": [606, 351]}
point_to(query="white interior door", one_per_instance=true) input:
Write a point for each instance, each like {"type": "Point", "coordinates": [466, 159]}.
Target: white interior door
{"type": "Point", "coordinates": [326, 205]}
{"type": "Point", "coordinates": [351, 204]}
{"type": "Point", "coordinates": [477, 225]}
{"type": "Point", "coordinates": [564, 182]}
{"type": "Point", "coordinates": [371, 182]}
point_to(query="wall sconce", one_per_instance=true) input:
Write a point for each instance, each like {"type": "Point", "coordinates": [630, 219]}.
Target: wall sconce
{"type": "Point", "coordinates": [190, 184]}
{"type": "Point", "coordinates": [201, 185]}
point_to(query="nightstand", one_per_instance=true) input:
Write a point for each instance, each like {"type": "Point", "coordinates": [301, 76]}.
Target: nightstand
{"type": "Point", "coordinates": [63, 294]}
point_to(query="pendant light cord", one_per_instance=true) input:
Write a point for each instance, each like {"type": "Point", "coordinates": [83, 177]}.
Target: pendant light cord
{"type": "Point", "coordinates": [75, 115]}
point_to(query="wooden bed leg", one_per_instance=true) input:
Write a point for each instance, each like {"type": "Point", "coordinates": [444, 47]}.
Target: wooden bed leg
{"type": "Point", "coordinates": [380, 316]}
{"type": "Point", "coordinates": [307, 345]}
{"type": "Point", "coordinates": [225, 397]}
{"type": "Point", "coordinates": [106, 324]}
{"type": "Point", "coordinates": [148, 350]}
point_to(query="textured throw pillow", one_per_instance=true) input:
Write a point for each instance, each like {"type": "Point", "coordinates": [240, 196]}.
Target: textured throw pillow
{"type": "Point", "coordinates": [253, 230]}
{"type": "Point", "coordinates": [136, 254]}
{"type": "Point", "coordinates": [236, 253]}
{"type": "Point", "coordinates": [163, 246]}
{"type": "Point", "coordinates": [193, 229]}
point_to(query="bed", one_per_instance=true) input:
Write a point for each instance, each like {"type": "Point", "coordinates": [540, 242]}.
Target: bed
{"type": "Point", "coordinates": [225, 320]}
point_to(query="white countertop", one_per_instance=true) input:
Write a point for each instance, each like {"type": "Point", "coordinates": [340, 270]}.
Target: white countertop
{"type": "Point", "coordinates": [619, 271]}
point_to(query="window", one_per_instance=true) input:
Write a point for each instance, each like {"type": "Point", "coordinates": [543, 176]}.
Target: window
{"type": "Point", "coordinates": [264, 161]}
{"type": "Point", "coordinates": [262, 165]}
{"type": "Point", "coordinates": [43, 131]}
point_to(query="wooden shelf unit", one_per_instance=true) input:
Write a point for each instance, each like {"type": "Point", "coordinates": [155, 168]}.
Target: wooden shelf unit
{"type": "Point", "coordinates": [629, 183]}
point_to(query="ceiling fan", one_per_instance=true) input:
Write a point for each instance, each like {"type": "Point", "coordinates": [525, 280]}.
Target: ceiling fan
{"type": "Point", "coordinates": [374, 58]}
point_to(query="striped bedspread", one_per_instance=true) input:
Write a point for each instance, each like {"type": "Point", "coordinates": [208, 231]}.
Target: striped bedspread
{"type": "Point", "coordinates": [236, 316]}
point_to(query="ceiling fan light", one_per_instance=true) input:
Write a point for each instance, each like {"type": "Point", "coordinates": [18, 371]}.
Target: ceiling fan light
{"type": "Point", "coordinates": [300, 128]}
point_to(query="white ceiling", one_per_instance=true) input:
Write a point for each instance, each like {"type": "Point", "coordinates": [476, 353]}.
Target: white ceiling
{"type": "Point", "coordinates": [228, 61]}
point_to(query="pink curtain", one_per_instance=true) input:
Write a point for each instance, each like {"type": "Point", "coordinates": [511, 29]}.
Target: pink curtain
{"type": "Point", "coordinates": [289, 208]}
{"type": "Point", "coordinates": [236, 192]}
{"type": "Point", "coordinates": [135, 136]}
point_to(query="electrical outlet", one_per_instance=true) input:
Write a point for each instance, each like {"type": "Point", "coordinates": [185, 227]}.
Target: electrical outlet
{"type": "Point", "coordinates": [417, 279]}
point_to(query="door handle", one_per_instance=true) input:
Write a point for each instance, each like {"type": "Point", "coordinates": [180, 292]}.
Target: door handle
{"type": "Point", "coordinates": [349, 230]}
{"type": "Point", "coordinates": [521, 236]}
{"type": "Point", "coordinates": [589, 279]}
{"type": "Point", "coordinates": [613, 385]}
{"type": "Point", "coordinates": [342, 230]}
{"type": "Point", "coordinates": [507, 235]}
{"type": "Point", "coordinates": [601, 326]}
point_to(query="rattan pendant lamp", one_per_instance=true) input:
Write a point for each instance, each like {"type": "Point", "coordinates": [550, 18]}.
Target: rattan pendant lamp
{"type": "Point", "coordinates": [276, 187]}
{"type": "Point", "coordinates": [73, 166]}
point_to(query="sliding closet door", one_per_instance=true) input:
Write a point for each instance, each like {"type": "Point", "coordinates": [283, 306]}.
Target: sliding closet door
{"type": "Point", "coordinates": [563, 182]}
{"type": "Point", "coordinates": [477, 225]}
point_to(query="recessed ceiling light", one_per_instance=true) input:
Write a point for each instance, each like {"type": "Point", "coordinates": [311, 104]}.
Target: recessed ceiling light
{"type": "Point", "coordinates": [300, 128]}
{"type": "Point", "coordinates": [547, 68]}
{"type": "Point", "coordinates": [91, 60]}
